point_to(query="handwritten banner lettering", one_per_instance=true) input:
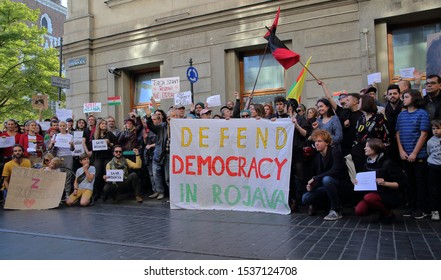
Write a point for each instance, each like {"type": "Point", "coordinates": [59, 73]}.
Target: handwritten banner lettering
{"type": "Point", "coordinates": [231, 164]}
{"type": "Point", "coordinates": [165, 88]}
{"type": "Point", "coordinates": [115, 175]}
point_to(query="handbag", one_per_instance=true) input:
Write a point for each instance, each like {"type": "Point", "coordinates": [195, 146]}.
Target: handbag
{"type": "Point", "coordinates": [308, 151]}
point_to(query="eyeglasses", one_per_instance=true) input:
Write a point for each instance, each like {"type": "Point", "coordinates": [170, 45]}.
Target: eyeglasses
{"type": "Point", "coordinates": [117, 152]}
{"type": "Point", "coordinates": [299, 110]}
{"type": "Point", "coordinates": [245, 116]}
{"type": "Point", "coordinates": [431, 83]}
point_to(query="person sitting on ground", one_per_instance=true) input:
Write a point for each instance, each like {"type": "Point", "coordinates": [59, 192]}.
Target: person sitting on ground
{"type": "Point", "coordinates": [389, 178]}
{"type": "Point", "coordinates": [19, 160]}
{"type": "Point", "coordinates": [130, 181]}
{"type": "Point", "coordinates": [83, 185]}
{"type": "Point", "coordinates": [330, 177]}
{"type": "Point", "coordinates": [54, 165]}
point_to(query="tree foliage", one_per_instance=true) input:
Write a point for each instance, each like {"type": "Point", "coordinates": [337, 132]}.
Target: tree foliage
{"type": "Point", "coordinates": [26, 66]}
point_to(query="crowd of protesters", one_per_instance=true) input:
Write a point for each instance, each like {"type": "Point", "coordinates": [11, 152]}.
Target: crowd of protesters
{"type": "Point", "coordinates": [400, 140]}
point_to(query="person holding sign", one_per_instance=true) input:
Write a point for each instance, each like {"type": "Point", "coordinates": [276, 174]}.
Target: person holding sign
{"type": "Point", "coordinates": [11, 131]}
{"type": "Point", "coordinates": [19, 160]}
{"type": "Point", "coordinates": [389, 178]}
{"type": "Point", "coordinates": [330, 178]}
{"type": "Point", "coordinates": [83, 185]}
{"type": "Point", "coordinates": [130, 181]}
{"type": "Point", "coordinates": [102, 143]}
{"type": "Point", "coordinates": [32, 143]}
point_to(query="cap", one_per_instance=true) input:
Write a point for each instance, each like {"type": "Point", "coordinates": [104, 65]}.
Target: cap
{"type": "Point", "coordinates": [368, 89]}
{"type": "Point", "coordinates": [224, 107]}
{"type": "Point", "coordinates": [205, 111]}
{"type": "Point", "coordinates": [180, 107]}
{"type": "Point", "coordinates": [69, 120]}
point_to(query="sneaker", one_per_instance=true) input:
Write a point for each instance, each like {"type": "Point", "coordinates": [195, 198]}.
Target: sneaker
{"type": "Point", "coordinates": [160, 196]}
{"type": "Point", "coordinates": [435, 216]}
{"type": "Point", "coordinates": [155, 195]}
{"type": "Point", "coordinates": [333, 216]}
{"type": "Point", "coordinates": [139, 199]}
{"type": "Point", "coordinates": [419, 215]}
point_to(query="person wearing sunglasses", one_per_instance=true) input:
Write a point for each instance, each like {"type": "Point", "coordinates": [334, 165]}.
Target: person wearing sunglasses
{"type": "Point", "coordinates": [130, 180]}
{"type": "Point", "coordinates": [245, 114]}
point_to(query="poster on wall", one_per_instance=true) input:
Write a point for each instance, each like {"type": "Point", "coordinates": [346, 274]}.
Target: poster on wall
{"type": "Point", "coordinates": [433, 62]}
{"type": "Point", "coordinates": [239, 165]}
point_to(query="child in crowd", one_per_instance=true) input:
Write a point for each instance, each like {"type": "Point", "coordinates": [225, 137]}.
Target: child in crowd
{"type": "Point", "coordinates": [434, 163]}
{"type": "Point", "coordinates": [83, 185]}
{"type": "Point", "coordinates": [412, 129]}
{"type": "Point", "coordinates": [54, 164]}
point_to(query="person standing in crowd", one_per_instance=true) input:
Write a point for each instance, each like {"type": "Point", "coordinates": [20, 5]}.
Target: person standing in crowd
{"type": "Point", "coordinates": [205, 114]}
{"type": "Point", "coordinates": [19, 160]}
{"type": "Point", "coordinates": [130, 180]}
{"type": "Point", "coordinates": [80, 125]}
{"type": "Point", "coordinates": [257, 111]}
{"type": "Point", "coordinates": [245, 114]}
{"type": "Point", "coordinates": [70, 125]}
{"type": "Point", "coordinates": [128, 138]}
{"type": "Point", "coordinates": [195, 111]}
{"type": "Point", "coordinates": [32, 143]}
{"type": "Point", "coordinates": [11, 131]}
{"type": "Point", "coordinates": [64, 152]}
{"type": "Point", "coordinates": [433, 97]}
{"type": "Point", "coordinates": [329, 122]}
{"type": "Point", "coordinates": [389, 179]}
{"type": "Point", "coordinates": [280, 103]}
{"type": "Point", "coordinates": [102, 157]}
{"type": "Point", "coordinates": [330, 177]}
{"type": "Point", "coordinates": [434, 163]}
{"type": "Point", "coordinates": [393, 108]}
{"type": "Point", "coordinates": [297, 180]}
{"type": "Point", "coordinates": [370, 125]}
{"type": "Point", "coordinates": [269, 111]}
{"type": "Point", "coordinates": [301, 110]}
{"type": "Point", "coordinates": [89, 131]}
{"type": "Point", "coordinates": [161, 154]}
{"type": "Point", "coordinates": [311, 115]}
{"type": "Point", "coordinates": [84, 181]}
{"type": "Point", "coordinates": [412, 128]}
{"type": "Point", "coordinates": [111, 126]}
{"type": "Point", "coordinates": [148, 143]}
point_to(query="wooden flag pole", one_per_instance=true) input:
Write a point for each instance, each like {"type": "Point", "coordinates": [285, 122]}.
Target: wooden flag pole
{"type": "Point", "coordinates": [309, 71]}
{"type": "Point", "coordinates": [247, 104]}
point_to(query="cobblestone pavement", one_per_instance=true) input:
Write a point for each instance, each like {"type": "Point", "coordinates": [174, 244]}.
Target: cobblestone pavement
{"type": "Point", "coordinates": [126, 230]}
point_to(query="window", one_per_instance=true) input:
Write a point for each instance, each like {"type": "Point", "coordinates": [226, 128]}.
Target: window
{"type": "Point", "coordinates": [408, 47]}
{"type": "Point", "coordinates": [46, 22]}
{"type": "Point", "coordinates": [271, 80]}
{"type": "Point", "coordinates": [142, 87]}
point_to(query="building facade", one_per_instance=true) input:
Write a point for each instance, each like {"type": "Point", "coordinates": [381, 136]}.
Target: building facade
{"type": "Point", "coordinates": [115, 47]}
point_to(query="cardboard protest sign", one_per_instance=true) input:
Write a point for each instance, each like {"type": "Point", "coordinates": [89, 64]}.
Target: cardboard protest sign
{"type": "Point", "coordinates": [40, 102]}
{"type": "Point", "coordinates": [233, 164]}
{"type": "Point", "coordinates": [165, 88]}
{"type": "Point", "coordinates": [115, 175]}
{"type": "Point", "coordinates": [34, 189]}
{"type": "Point", "coordinates": [99, 145]}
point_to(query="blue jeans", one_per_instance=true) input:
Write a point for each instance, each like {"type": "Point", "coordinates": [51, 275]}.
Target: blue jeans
{"type": "Point", "coordinates": [161, 175]}
{"type": "Point", "coordinates": [326, 191]}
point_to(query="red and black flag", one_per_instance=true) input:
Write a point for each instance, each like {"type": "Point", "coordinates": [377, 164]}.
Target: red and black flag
{"type": "Point", "coordinates": [281, 53]}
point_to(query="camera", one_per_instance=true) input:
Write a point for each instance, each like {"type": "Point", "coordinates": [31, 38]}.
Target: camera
{"type": "Point", "coordinates": [115, 71]}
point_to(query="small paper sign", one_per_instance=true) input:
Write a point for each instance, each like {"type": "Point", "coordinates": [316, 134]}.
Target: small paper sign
{"type": "Point", "coordinates": [183, 98]}
{"type": "Point", "coordinates": [374, 78]}
{"type": "Point", "coordinates": [7, 141]}
{"type": "Point", "coordinates": [214, 101]}
{"type": "Point", "coordinates": [64, 114]}
{"type": "Point", "coordinates": [99, 145]}
{"type": "Point", "coordinates": [115, 175]}
{"type": "Point", "coordinates": [407, 73]}
{"type": "Point", "coordinates": [62, 140]}
{"type": "Point", "coordinates": [91, 107]}
{"type": "Point", "coordinates": [366, 181]}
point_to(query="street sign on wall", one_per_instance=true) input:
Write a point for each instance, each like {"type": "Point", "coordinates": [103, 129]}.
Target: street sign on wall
{"type": "Point", "coordinates": [60, 82]}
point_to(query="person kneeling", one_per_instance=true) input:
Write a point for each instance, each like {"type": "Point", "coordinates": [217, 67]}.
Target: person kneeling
{"type": "Point", "coordinates": [330, 175]}
{"type": "Point", "coordinates": [83, 185]}
{"type": "Point", "coordinates": [389, 178]}
{"type": "Point", "coordinates": [130, 181]}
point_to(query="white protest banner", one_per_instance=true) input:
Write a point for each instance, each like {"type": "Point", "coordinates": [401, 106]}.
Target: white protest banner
{"type": "Point", "coordinates": [63, 140]}
{"type": "Point", "coordinates": [115, 175]}
{"type": "Point", "coordinates": [34, 189]}
{"type": "Point", "coordinates": [183, 98]}
{"type": "Point", "coordinates": [64, 114]}
{"type": "Point", "coordinates": [407, 72]}
{"type": "Point", "coordinates": [99, 145]}
{"type": "Point", "coordinates": [165, 88]}
{"type": "Point", "coordinates": [214, 101]}
{"type": "Point", "coordinates": [91, 107]}
{"type": "Point", "coordinates": [232, 164]}
{"type": "Point", "coordinates": [7, 141]}
{"type": "Point", "coordinates": [374, 78]}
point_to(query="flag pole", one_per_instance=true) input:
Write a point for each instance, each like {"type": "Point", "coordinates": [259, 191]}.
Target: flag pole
{"type": "Point", "coordinates": [309, 71]}
{"type": "Point", "coordinates": [247, 104]}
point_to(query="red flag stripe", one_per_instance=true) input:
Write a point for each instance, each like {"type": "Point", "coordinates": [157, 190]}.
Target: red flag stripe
{"type": "Point", "coordinates": [274, 26]}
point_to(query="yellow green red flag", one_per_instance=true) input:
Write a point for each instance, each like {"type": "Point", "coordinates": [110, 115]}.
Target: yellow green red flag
{"type": "Point", "coordinates": [295, 91]}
